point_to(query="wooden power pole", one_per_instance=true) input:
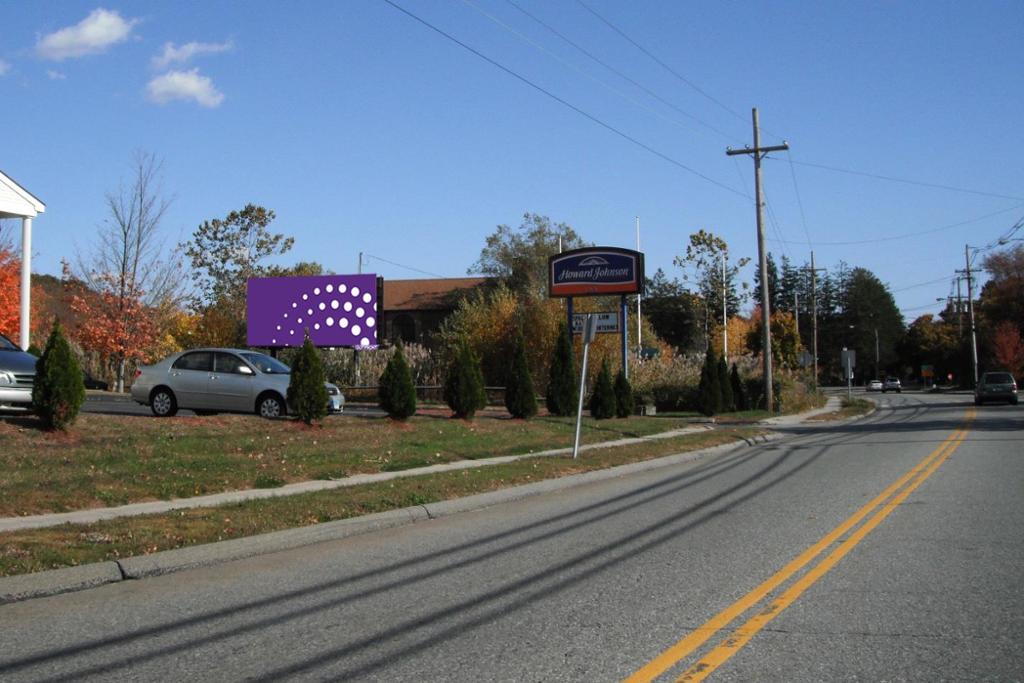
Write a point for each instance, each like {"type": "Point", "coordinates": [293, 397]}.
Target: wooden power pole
{"type": "Point", "coordinates": [758, 152]}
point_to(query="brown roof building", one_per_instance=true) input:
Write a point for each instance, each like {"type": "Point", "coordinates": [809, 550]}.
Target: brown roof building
{"type": "Point", "coordinates": [413, 310]}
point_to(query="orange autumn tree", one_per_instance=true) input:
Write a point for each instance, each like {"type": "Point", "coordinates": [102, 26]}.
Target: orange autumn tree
{"type": "Point", "coordinates": [10, 292]}
{"type": "Point", "coordinates": [1008, 347]}
{"type": "Point", "coordinates": [114, 321]}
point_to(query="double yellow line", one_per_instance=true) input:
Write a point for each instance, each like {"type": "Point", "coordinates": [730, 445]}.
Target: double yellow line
{"type": "Point", "coordinates": [881, 505]}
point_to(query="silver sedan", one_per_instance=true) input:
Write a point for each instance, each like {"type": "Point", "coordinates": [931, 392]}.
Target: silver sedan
{"type": "Point", "coordinates": [219, 380]}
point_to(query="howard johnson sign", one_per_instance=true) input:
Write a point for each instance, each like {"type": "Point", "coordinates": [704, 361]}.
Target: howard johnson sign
{"type": "Point", "coordinates": [594, 271]}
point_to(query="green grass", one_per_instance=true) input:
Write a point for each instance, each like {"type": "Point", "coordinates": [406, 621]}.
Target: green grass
{"type": "Point", "coordinates": [68, 545]}
{"type": "Point", "coordinates": [107, 460]}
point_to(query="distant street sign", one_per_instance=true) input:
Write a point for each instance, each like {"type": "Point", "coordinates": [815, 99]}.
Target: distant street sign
{"type": "Point", "coordinates": [848, 358]}
{"type": "Point", "coordinates": [806, 359]}
{"type": "Point", "coordinates": [606, 322]}
{"type": "Point", "coordinates": [927, 371]}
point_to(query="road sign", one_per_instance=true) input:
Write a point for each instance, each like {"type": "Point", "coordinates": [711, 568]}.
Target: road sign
{"type": "Point", "coordinates": [806, 359]}
{"type": "Point", "coordinates": [927, 371]}
{"type": "Point", "coordinates": [606, 322]}
{"type": "Point", "coordinates": [848, 359]}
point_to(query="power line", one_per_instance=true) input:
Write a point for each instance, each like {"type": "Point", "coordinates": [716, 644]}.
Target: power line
{"type": "Point", "coordinates": [572, 66]}
{"type": "Point", "coordinates": [920, 284]}
{"type": "Point", "coordinates": [620, 74]}
{"type": "Point", "coordinates": [799, 201]}
{"type": "Point", "coordinates": [565, 103]}
{"type": "Point", "coordinates": [906, 181]}
{"type": "Point", "coordinates": [401, 265]}
{"type": "Point", "coordinates": [661, 63]}
{"type": "Point", "coordinates": [919, 233]}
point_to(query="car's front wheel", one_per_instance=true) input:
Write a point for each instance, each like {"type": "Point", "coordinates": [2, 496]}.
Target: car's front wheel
{"type": "Point", "coordinates": [270, 406]}
{"type": "Point", "coordinates": [163, 403]}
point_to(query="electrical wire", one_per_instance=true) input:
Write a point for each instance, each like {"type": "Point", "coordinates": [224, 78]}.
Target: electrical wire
{"type": "Point", "coordinates": [665, 66]}
{"type": "Point", "coordinates": [572, 66]}
{"type": "Point", "coordinates": [920, 284]}
{"type": "Point", "coordinates": [906, 181]}
{"type": "Point", "coordinates": [907, 235]}
{"type": "Point", "coordinates": [401, 265]}
{"type": "Point", "coordinates": [561, 101]}
{"type": "Point", "coordinates": [799, 201]}
{"type": "Point", "coordinates": [622, 75]}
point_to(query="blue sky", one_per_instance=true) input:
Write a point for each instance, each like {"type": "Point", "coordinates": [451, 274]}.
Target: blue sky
{"type": "Point", "coordinates": [366, 131]}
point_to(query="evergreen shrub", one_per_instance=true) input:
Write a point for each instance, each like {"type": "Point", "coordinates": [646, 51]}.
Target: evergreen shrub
{"type": "Point", "coordinates": [625, 401]}
{"type": "Point", "coordinates": [739, 390]}
{"type": "Point", "coordinates": [561, 393]}
{"type": "Point", "coordinates": [307, 396]}
{"type": "Point", "coordinates": [728, 400]}
{"type": "Point", "coordinates": [464, 385]}
{"type": "Point", "coordinates": [58, 392]}
{"type": "Point", "coordinates": [396, 393]}
{"type": "Point", "coordinates": [602, 400]}
{"type": "Point", "coordinates": [709, 393]}
{"type": "Point", "coordinates": [520, 398]}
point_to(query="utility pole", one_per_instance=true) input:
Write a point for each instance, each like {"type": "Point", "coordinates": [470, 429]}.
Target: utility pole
{"type": "Point", "coordinates": [758, 152]}
{"type": "Point", "coordinates": [725, 314]}
{"type": "Point", "coordinates": [959, 311]}
{"type": "Point", "coordinates": [814, 317]}
{"type": "Point", "coordinates": [796, 313]}
{"type": "Point", "coordinates": [970, 315]}
{"type": "Point", "coordinates": [877, 368]}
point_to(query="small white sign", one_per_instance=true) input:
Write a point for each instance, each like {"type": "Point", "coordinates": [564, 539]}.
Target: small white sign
{"type": "Point", "coordinates": [606, 322]}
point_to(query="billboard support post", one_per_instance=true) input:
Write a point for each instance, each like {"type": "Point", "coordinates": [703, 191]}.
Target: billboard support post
{"type": "Point", "coordinates": [625, 350]}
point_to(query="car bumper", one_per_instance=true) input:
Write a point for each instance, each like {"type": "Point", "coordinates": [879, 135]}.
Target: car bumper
{"type": "Point", "coordinates": [16, 396]}
{"type": "Point", "coordinates": [997, 396]}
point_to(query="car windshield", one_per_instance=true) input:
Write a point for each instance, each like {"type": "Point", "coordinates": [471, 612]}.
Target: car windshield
{"type": "Point", "coordinates": [266, 364]}
{"type": "Point", "coordinates": [998, 378]}
{"type": "Point", "coordinates": [7, 345]}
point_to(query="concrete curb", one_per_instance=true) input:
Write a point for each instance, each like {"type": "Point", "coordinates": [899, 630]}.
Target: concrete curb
{"type": "Point", "coordinates": [56, 581]}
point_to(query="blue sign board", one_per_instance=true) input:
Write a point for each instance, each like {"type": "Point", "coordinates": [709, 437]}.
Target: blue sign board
{"type": "Point", "coordinates": [595, 271]}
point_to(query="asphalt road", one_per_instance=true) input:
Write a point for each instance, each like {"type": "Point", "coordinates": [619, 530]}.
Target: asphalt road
{"type": "Point", "coordinates": [596, 582]}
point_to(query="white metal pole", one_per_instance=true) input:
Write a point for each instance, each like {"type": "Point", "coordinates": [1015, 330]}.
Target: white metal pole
{"type": "Point", "coordinates": [583, 383]}
{"type": "Point", "coordinates": [26, 282]}
{"type": "Point", "coordinates": [725, 315]}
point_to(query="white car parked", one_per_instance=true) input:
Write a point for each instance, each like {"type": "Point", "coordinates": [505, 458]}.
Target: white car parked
{"type": "Point", "coordinates": [209, 381]}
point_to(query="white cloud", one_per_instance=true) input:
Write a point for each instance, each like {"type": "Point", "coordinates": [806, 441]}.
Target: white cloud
{"type": "Point", "coordinates": [172, 54]}
{"type": "Point", "coordinates": [184, 85]}
{"type": "Point", "coordinates": [4, 67]}
{"type": "Point", "coordinates": [55, 75]}
{"type": "Point", "coordinates": [94, 34]}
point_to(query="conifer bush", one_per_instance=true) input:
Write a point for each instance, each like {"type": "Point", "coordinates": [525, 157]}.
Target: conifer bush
{"type": "Point", "coordinates": [464, 385]}
{"type": "Point", "coordinates": [58, 392]}
{"type": "Point", "coordinates": [728, 401]}
{"type": "Point", "coordinates": [739, 390]}
{"type": "Point", "coordinates": [520, 399]}
{"type": "Point", "coordinates": [561, 393]}
{"type": "Point", "coordinates": [709, 393]}
{"type": "Point", "coordinates": [625, 400]}
{"type": "Point", "coordinates": [397, 392]}
{"type": "Point", "coordinates": [307, 396]}
{"type": "Point", "coordinates": [602, 400]}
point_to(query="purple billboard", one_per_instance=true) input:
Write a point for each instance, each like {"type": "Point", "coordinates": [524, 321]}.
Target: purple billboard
{"type": "Point", "coordinates": [338, 310]}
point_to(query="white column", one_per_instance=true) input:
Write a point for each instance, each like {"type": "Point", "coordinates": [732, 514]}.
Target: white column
{"type": "Point", "coordinates": [26, 280]}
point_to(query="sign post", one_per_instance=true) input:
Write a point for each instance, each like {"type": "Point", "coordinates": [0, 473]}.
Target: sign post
{"type": "Point", "coordinates": [849, 361]}
{"type": "Point", "coordinates": [589, 333]}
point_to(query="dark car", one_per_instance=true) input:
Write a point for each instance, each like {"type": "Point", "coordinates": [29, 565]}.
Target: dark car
{"type": "Point", "coordinates": [91, 382]}
{"type": "Point", "coordinates": [17, 375]}
{"type": "Point", "coordinates": [996, 386]}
